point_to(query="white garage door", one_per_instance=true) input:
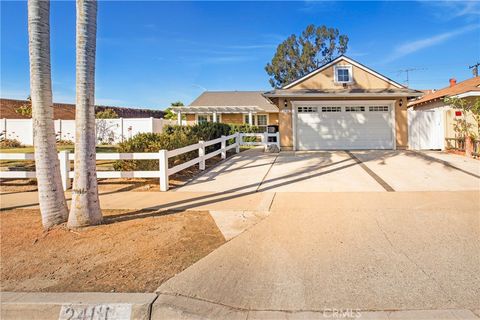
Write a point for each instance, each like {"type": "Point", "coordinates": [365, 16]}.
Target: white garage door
{"type": "Point", "coordinates": [330, 127]}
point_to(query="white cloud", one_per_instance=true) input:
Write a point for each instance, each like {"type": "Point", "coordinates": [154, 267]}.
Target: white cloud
{"type": "Point", "coordinates": [451, 9]}
{"type": "Point", "coordinates": [416, 45]}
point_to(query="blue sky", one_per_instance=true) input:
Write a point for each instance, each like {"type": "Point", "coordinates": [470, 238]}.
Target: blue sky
{"type": "Point", "coordinates": [152, 53]}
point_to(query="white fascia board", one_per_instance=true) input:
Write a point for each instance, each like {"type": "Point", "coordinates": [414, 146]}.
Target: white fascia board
{"type": "Point", "coordinates": [468, 94]}
{"type": "Point", "coordinates": [345, 95]}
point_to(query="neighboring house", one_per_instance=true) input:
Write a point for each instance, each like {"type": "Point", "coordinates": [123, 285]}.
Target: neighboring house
{"type": "Point", "coordinates": [341, 105]}
{"type": "Point", "coordinates": [66, 111]}
{"type": "Point", "coordinates": [431, 120]}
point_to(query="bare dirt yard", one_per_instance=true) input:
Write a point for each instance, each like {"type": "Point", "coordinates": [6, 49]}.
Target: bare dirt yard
{"type": "Point", "coordinates": [130, 252]}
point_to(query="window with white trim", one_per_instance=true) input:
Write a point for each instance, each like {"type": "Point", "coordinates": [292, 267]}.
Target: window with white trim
{"type": "Point", "coordinates": [331, 109]}
{"type": "Point", "coordinates": [307, 109]}
{"type": "Point", "coordinates": [343, 74]}
{"type": "Point", "coordinates": [203, 118]}
{"type": "Point", "coordinates": [259, 120]}
{"type": "Point", "coordinates": [378, 108]}
{"type": "Point", "coordinates": [355, 109]}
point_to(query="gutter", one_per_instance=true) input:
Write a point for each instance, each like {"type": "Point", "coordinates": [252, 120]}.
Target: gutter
{"type": "Point", "coordinates": [336, 95]}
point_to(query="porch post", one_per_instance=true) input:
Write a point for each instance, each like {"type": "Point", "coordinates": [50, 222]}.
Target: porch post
{"type": "Point", "coordinates": [179, 118]}
{"type": "Point", "coordinates": [250, 118]}
{"type": "Point", "coordinates": [214, 116]}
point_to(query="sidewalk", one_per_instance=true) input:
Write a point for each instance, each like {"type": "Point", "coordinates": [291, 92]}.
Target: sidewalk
{"type": "Point", "coordinates": [246, 201]}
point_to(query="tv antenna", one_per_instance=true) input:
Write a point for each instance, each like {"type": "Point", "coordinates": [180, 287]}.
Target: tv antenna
{"type": "Point", "coordinates": [407, 72]}
{"type": "Point", "coordinates": [475, 69]}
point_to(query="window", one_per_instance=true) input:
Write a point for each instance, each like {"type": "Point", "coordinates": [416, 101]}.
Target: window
{"type": "Point", "coordinates": [307, 109]}
{"type": "Point", "coordinates": [331, 109]}
{"type": "Point", "coordinates": [343, 74]}
{"type": "Point", "coordinates": [262, 120]}
{"type": "Point", "coordinates": [354, 109]}
{"type": "Point", "coordinates": [202, 118]}
{"type": "Point", "coordinates": [259, 120]}
{"type": "Point", "coordinates": [378, 108]}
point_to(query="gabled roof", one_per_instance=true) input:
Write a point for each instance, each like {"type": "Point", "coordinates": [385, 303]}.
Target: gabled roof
{"type": "Point", "coordinates": [235, 100]}
{"type": "Point", "coordinates": [349, 60]}
{"type": "Point", "coordinates": [471, 85]}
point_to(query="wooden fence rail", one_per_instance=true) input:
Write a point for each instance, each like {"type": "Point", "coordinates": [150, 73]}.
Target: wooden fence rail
{"type": "Point", "coordinates": [233, 141]}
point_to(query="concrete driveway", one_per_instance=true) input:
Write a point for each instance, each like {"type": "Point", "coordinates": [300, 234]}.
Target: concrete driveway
{"type": "Point", "coordinates": [340, 171]}
{"type": "Point", "coordinates": [375, 244]}
{"type": "Point", "coordinates": [368, 251]}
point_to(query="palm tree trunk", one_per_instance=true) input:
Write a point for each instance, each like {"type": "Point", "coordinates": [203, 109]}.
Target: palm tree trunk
{"type": "Point", "coordinates": [85, 209]}
{"type": "Point", "coordinates": [53, 206]}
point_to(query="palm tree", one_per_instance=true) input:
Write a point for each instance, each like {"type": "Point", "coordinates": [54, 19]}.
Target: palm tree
{"type": "Point", "coordinates": [53, 206]}
{"type": "Point", "coordinates": [85, 208]}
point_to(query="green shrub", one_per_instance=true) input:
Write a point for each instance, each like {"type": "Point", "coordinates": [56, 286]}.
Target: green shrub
{"type": "Point", "coordinates": [106, 114]}
{"type": "Point", "coordinates": [174, 137]}
{"type": "Point", "coordinates": [10, 143]}
{"type": "Point", "coordinates": [244, 128]}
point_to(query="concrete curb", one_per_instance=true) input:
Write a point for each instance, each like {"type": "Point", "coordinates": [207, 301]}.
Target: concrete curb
{"type": "Point", "coordinates": [42, 305]}
{"type": "Point", "coordinates": [183, 308]}
{"type": "Point", "coordinates": [145, 306]}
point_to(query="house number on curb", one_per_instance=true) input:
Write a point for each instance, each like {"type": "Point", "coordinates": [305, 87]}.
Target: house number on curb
{"type": "Point", "coordinates": [119, 311]}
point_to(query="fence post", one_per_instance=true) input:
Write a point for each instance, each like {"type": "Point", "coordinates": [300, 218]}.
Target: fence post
{"type": "Point", "coordinates": [265, 139]}
{"type": "Point", "coordinates": [237, 141]}
{"type": "Point", "coordinates": [277, 138]}
{"type": "Point", "coordinates": [201, 154]}
{"type": "Point", "coordinates": [224, 146]}
{"type": "Point", "coordinates": [121, 129]}
{"type": "Point", "coordinates": [163, 169]}
{"type": "Point", "coordinates": [65, 169]}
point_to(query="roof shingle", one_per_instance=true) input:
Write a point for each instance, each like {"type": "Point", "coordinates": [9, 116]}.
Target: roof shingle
{"type": "Point", "coordinates": [472, 84]}
{"type": "Point", "coordinates": [234, 99]}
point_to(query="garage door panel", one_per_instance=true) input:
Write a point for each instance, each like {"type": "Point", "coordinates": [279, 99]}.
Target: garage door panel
{"type": "Point", "coordinates": [344, 130]}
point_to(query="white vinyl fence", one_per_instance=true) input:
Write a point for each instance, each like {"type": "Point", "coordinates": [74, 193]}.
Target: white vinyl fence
{"type": "Point", "coordinates": [163, 172]}
{"type": "Point", "coordinates": [109, 131]}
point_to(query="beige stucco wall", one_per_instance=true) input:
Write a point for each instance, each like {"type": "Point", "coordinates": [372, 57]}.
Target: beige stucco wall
{"type": "Point", "coordinates": [286, 129]}
{"type": "Point", "coordinates": [450, 117]}
{"type": "Point", "coordinates": [325, 80]}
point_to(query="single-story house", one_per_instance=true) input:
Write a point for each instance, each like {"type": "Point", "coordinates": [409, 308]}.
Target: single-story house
{"type": "Point", "coordinates": [431, 120]}
{"type": "Point", "coordinates": [341, 105]}
{"type": "Point", "coordinates": [236, 107]}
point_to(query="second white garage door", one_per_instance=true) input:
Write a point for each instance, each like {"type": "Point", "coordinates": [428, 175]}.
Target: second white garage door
{"type": "Point", "coordinates": [340, 127]}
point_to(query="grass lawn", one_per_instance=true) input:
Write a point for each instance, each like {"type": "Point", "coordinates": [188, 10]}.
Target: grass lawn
{"type": "Point", "coordinates": [130, 252]}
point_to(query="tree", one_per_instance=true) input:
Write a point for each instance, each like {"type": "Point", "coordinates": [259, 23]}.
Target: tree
{"type": "Point", "coordinates": [85, 208]}
{"type": "Point", "coordinates": [53, 206]}
{"type": "Point", "coordinates": [106, 114]}
{"type": "Point", "coordinates": [169, 114]}
{"type": "Point", "coordinates": [468, 106]}
{"type": "Point", "coordinates": [300, 55]}
{"type": "Point", "coordinates": [106, 129]}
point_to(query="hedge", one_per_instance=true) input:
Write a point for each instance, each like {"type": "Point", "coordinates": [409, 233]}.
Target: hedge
{"type": "Point", "coordinates": [174, 137]}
